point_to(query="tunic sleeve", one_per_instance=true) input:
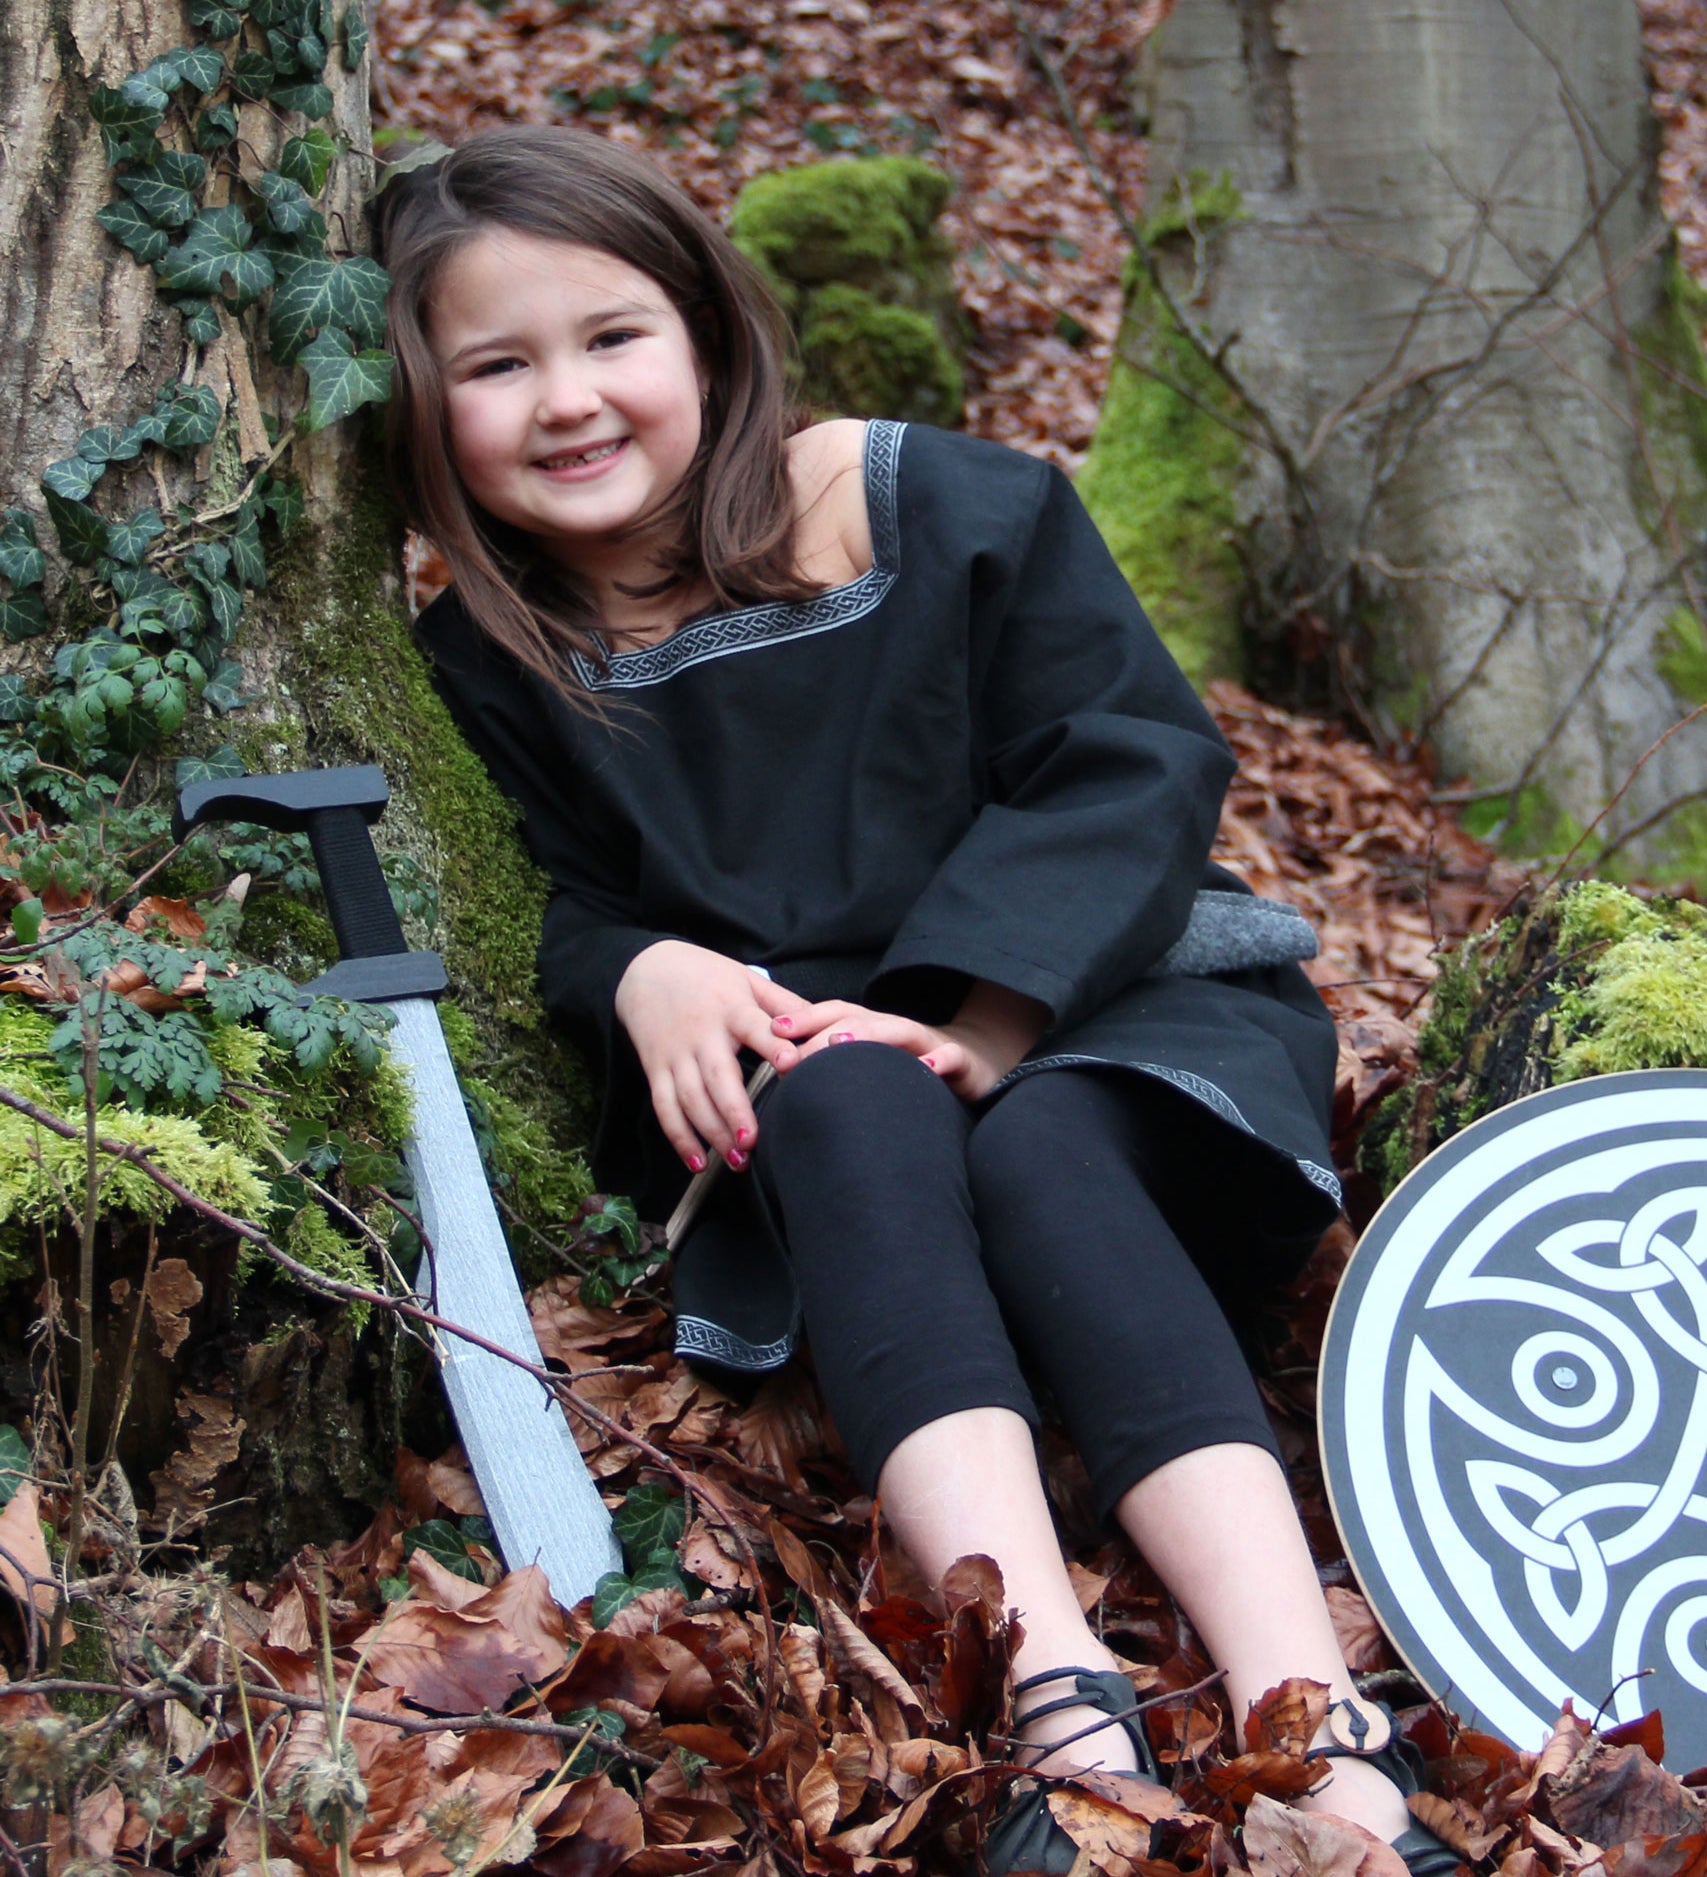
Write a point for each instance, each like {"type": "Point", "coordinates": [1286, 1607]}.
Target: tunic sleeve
{"type": "Point", "coordinates": [592, 930]}
{"type": "Point", "coordinates": [1101, 782]}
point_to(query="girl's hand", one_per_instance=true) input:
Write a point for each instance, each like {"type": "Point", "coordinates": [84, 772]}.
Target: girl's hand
{"type": "Point", "coordinates": [689, 1012]}
{"type": "Point", "coordinates": [994, 1028]}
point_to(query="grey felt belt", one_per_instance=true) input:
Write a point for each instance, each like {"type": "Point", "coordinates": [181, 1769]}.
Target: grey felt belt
{"type": "Point", "coordinates": [1235, 932]}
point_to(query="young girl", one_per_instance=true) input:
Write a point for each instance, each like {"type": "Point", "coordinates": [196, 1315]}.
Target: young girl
{"type": "Point", "coordinates": [846, 749]}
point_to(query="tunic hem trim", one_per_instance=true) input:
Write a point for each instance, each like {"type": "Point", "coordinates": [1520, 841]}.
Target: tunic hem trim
{"type": "Point", "coordinates": [711, 1342]}
{"type": "Point", "coordinates": [722, 634]}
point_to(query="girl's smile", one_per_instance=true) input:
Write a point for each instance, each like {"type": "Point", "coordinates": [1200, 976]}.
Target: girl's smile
{"type": "Point", "coordinates": [573, 397]}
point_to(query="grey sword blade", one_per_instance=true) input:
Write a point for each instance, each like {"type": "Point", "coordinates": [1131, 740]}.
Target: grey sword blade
{"type": "Point", "coordinates": [539, 1496]}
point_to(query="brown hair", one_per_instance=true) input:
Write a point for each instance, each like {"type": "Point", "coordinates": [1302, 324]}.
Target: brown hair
{"type": "Point", "coordinates": [732, 516]}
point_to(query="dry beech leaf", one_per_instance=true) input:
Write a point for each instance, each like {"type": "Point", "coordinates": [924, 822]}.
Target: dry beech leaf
{"type": "Point", "coordinates": [1281, 1841]}
{"type": "Point", "coordinates": [800, 1646]}
{"type": "Point", "coordinates": [452, 1482]}
{"type": "Point", "coordinates": [1285, 1718]}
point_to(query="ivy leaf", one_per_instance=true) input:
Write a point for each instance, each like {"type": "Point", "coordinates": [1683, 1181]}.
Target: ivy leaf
{"type": "Point", "coordinates": [22, 616]}
{"type": "Point", "coordinates": [191, 414]}
{"type": "Point", "coordinates": [201, 322]}
{"type": "Point", "coordinates": [313, 100]}
{"type": "Point", "coordinates": [284, 502]}
{"type": "Point", "coordinates": [445, 1545]}
{"type": "Point", "coordinates": [223, 691]}
{"type": "Point", "coordinates": [150, 427]}
{"type": "Point", "coordinates": [126, 223]}
{"type": "Point", "coordinates": [289, 207]}
{"type": "Point", "coordinates": [341, 379]}
{"type": "Point", "coordinates": [216, 128]}
{"type": "Point", "coordinates": [128, 116]}
{"type": "Point", "coordinates": [165, 189]}
{"type": "Point", "coordinates": [281, 49]}
{"type": "Point", "coordinates": [15, 1466]}
{"type": "Point", "coordinates": [159, 79]}
{"type": "Point", "coordinates": [611, 1593]}
{"type": "Point", "coordinates": [311, 52]}
{"type": "Point", "coordinates": [82, 533]}
{"type": "Point", "coordinates": [16, 704]}
{"type": "Point", "coordinates": [226, 605]}
{"type": "Point", "coordinates": [355, 36]}
{"type": "Point", "coordinates": [248, 562]}
{"type": "Point", "coordinates": [215, 252]}
{"type": "Point", "coordinates": [295, 16]}
{"type": "Point", "coordinates": [314, 293]}
{"type": "Point", "coordinates": [307, 160]}
{"type": "Point", "coordinates": [201, 67]}
{"type": "Point", "coordinates": [128, 540]}
{"type": "Point", "coordinates": [252, 74]}
{"type": "Point", "coordinates": [106, 443]}
{"type": "Point", "coordinates": [219, 19]}
{"type": "Point", "coordinates": [21, 560]}
{"type": "Point", "coordinates": [134, 583]}
{"type": "Point", "coordinates": [650, 1523]}
{"type": "Point", "coordinates": [72, 478]}
{"type": "Point", "coordinates": [220, 765]}
{"type": "Point", "coordinates": [208, 561]}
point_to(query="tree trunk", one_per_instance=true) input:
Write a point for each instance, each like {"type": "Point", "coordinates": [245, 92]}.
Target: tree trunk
{"type": "Point", "coordinates": [270, 1398]}
{"type": "Point", "coordinates": [1439, 252]}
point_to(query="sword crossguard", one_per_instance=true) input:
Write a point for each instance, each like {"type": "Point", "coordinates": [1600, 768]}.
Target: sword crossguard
{"type": "Point", "coordinates": [336, 809]}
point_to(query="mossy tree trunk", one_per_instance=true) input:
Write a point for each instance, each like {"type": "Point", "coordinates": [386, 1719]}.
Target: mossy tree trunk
{"type": "Point", "coordinates": [1426, 247]}
{"type": "Point", "coordinates": [272, 1397]}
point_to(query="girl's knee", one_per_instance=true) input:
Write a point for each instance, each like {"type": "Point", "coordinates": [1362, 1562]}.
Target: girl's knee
{"type": "Point", "coordinates": [864, 1098]}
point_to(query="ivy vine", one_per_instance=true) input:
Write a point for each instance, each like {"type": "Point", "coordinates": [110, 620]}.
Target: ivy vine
{"type": "Point", "coordinates": [166, 590]}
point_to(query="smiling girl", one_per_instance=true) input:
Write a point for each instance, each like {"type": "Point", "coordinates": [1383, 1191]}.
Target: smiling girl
{"type": "Point", "coordinates": [847, 750]}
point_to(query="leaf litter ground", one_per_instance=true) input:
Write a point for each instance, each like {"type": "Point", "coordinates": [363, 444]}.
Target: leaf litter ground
{"type": "Point", "coordinates": [768, 1687]}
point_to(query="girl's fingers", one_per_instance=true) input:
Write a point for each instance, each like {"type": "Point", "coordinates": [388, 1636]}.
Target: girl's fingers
{"type": "Point", "coordinates": [774, 999]}
{"type": "Point", "coordinates": [755, 1031]}
{"type": "Point", "coordinates": [734, 1128]}
{"type": "Point", "coordinates": [687, 1145]}
{"type": "Point", "coordinates": [811, 1019]}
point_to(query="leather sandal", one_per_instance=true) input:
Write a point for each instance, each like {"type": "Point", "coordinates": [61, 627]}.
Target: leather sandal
{"type": "Point", "coordinates": [1351, 1735]}
{"type": "Point", "coordinates": [1025, 1836]}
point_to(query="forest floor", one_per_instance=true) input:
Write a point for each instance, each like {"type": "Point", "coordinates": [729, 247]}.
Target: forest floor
{"type": "Point", "coordinates": [768, 1688]}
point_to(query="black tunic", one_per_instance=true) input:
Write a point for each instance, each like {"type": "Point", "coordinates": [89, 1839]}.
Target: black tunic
{"type": "Point", "coordinates": [976, 760]}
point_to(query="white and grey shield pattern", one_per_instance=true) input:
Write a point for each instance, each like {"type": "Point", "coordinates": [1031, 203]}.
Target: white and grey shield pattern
{"type": "Point", "coordinates": [1513, 1411]}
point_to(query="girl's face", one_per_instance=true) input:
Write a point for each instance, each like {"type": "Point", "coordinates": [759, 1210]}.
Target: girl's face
{"type": "Point", "coordinates": [572, 391]}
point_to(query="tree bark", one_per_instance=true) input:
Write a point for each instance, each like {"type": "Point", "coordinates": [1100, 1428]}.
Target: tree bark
{"type": "Point", "coordinates": [1445, 251]}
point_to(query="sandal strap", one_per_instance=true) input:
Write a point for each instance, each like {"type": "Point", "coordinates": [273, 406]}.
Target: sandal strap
{"type": "Point", "coordinates": [1396, 1757]}
{"type": "Point", "coordinates": [1103, 1691]}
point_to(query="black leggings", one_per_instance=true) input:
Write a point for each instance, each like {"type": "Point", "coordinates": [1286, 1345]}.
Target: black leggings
{"type": "Point", "coordinates": [937, 1250]}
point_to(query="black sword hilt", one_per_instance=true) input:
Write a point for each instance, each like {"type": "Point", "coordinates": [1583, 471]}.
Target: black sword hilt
{"type": "Point", "coordinates": [335, 808]}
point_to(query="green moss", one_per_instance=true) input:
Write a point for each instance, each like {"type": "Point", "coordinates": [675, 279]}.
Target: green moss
{"type": "Point", "coordinates": [1680, 656]}
{"type": "Point", "coordinates": [364, 687]}
{"type": "Point", "coordinates": [1161, 476]}
{"type": "Point", "coordinates": [1529, 823]}
{"type": "Point", "coordinates": [852, 250]}
{"type": "Point", "coordinates": [288, 934]}
{"type": "Point", "coordinates": [1642, 1002]}
{"type": "Point", "coordinates": [367, 696]}
{"type": "Point", "coordinates": [312, 1238]}
{"type": "Point", "coordinates": [857, 220]}
{"type": "Point", "coordinates": [861, 355]}
{"type": "Point", "coordinates": [1669, 349]}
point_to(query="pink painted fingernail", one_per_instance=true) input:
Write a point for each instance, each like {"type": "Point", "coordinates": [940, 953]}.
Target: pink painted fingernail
{"type": "Point", "coordinates": [843, 1036]}
{"type": "Point", "coordinates": [928, 1061]}
{"type": "Point", "coordinates": [696, 1163]}
{"type": "Point", "coordinates": [736, 1158]}
{"type": "Point", "coordinates": [742, 1136]}
{"type": "Point", "coordinates": [784, 1023]}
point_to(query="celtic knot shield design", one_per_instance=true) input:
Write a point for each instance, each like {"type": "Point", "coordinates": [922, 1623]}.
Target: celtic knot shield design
{"type": "Point", "coordinates": [1513, 1411]}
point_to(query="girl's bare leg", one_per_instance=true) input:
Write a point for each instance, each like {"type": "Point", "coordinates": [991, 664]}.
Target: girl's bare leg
{"type": "Point", "coordinates": [1219, 1528]}
{"type": "Point", "coordinates": [969, 1483]}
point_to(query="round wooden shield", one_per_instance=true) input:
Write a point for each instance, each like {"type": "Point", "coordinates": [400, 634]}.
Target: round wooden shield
{"type": "Point", "coordinates": [1513, 1411]}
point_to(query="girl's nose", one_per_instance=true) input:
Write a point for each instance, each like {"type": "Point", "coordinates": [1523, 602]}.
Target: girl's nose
{"type": "Point", "coordinates": [566, 396]}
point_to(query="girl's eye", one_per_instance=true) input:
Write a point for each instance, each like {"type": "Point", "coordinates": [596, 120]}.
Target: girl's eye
{"type": "Point", "coordinates": [608, 341]}
{"type": "Point", "coordinates": [491, 367]}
